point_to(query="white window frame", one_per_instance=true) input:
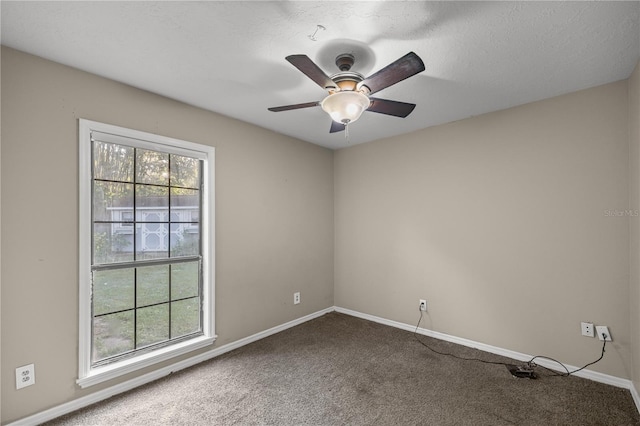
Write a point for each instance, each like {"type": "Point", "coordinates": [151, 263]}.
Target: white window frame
{"type": "Point", "coordinates": [88, 375]}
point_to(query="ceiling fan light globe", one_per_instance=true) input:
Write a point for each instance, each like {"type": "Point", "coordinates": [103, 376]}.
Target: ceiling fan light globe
{"type": "Point", "coordinates": [345, 107]}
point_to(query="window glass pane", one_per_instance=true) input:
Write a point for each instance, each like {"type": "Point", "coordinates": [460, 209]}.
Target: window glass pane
{"type": "Point", "coordinates": [185, 317]}
{"type": "Point", "coordinates": [113, 290]}
{"type": "Point", "coordinates": [112, 335]}
{"type": "Point", "coordinates": [185, 240]}
{"type": "Point", "coordinates": [152, 197]}
{"type": "Point", "coordinates": [153, 285]}
{"type": "Point", "coordinates": [152, 167]}
{"type": "Point", "coordinates": [109, 198]}
{"type": "Point", "coordinates": [185, 200]}
{"type": "Point", "coordinates": [185, 213]}
{"type": "Point", "coordinates": [185, 243]}
{"type": "Point", "coordinates": [152, 325]}
{"type": "Point", "coordinates": [185, 171]}
{"type": "Point", "coordinates": [111, 246]}
{"type": "Point", "coordinates": [152, 241]}
{"type": "Point", "coordinates": [185, 280]}
{"type": "Point", "coordinates": [112, 162]}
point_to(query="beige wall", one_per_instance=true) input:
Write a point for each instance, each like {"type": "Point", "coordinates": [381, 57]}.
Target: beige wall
{"type": "Point", "coordinates": [634, 221]}
{"type": "Point", "coordinates": [500, 222]}
{"type": "Point", "coordinates": [274, 219]}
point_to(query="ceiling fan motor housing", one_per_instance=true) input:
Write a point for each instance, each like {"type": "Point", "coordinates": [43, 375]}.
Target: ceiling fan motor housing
{"type": "Point", "coordinates": [347, 80]}
{"type": "Point", "coordinates": [345, 61]}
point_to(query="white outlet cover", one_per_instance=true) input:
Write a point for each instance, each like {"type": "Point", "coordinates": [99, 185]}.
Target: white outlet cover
{"type": "Point", "coordinates": [603, 329]}
{"type": "Point", "coordinates": [587, 329]}
{"type": "Point", "coordinates": [25, 376]}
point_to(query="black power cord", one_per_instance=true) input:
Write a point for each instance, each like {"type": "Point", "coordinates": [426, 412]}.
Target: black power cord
{"type": "Point", "coordinates": [568, 373]}
{"type": "Point", "coordinates": [530, 363]}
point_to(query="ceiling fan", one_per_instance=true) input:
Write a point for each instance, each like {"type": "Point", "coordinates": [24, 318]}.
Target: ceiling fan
{"type": "Point", "coordinates": [349, 91]}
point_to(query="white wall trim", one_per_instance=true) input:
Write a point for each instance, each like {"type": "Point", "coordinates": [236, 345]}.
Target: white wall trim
{"type": "Point", "coordinates": [587, 374]}
{"type": "Point", "coordinates": [79, 403]}
{"type": "Point", "coordinates": [88, 133]}
{"type": "Point", "coordinates": [85, 401]}
{"type": "Point", "coordinates": [635, 395]}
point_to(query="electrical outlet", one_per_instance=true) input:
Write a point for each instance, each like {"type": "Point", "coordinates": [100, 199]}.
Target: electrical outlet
{"type": "Point", "coordinates": [423, 305]}
{"type": "Point", "coordinates": [25, 376]}
{"type": "Point", "coordinates": [296, 298]}
{"type": "Point", "coordinates": [603, 329]}
{"type": "Point", "coordinates": [587, 329]}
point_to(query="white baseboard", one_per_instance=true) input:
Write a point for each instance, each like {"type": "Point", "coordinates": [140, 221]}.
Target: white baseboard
{"type": "Point", "coordinates": [79, 403]}
{"type": "Point", "coordinates": [635, 395]}
{"type": "Point", "coordinates": [85, 401]}
{"type": "Point", "coordinates": [587, 374]}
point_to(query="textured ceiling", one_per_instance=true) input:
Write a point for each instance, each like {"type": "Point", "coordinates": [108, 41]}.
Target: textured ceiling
{"type": "Point", "coordinates": [228, 57]}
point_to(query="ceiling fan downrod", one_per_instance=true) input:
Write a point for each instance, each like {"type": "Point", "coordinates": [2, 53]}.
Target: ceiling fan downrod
{"type": "Point", "coordinates": [345, 61]}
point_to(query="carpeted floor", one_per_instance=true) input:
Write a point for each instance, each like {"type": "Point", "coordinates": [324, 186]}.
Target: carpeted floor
{"type": "Point", "coordinates": [341, 370]}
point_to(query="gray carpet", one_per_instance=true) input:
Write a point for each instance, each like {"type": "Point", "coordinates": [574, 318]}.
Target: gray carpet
{"type": "Point", "coordinates": [341, 370]}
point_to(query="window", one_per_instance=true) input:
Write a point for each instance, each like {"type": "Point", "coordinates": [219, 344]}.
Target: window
{"type": "Point", "coordinates": [146, 249]}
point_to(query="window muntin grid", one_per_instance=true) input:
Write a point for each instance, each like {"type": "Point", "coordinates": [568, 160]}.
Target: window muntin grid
{"type": "Point", "coordinates": [145, 212]}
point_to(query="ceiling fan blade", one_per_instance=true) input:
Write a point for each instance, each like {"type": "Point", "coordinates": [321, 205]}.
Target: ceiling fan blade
{"type": "Point", "coordinates": [395, 108]}
{"type": "Point", "coordinates": [311, 70]}
{"type": "Point", "coordinates": [336, 127]}
{"type": "Point", "coordinates": [410, 64]}
{"type": "Point", "coordinates": [296, 106]}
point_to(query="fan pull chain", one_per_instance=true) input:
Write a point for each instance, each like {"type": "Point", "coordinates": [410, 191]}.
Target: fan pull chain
{"type": "Point", "coordinates": [346, 132]}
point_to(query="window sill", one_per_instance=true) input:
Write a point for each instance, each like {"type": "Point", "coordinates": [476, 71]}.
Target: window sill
{"type": "Point", "coordinates": [120, 368]}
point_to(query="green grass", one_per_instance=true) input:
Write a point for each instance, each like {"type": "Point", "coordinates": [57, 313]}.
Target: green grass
{"type": "Point", "coordinates": [115, 290]}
